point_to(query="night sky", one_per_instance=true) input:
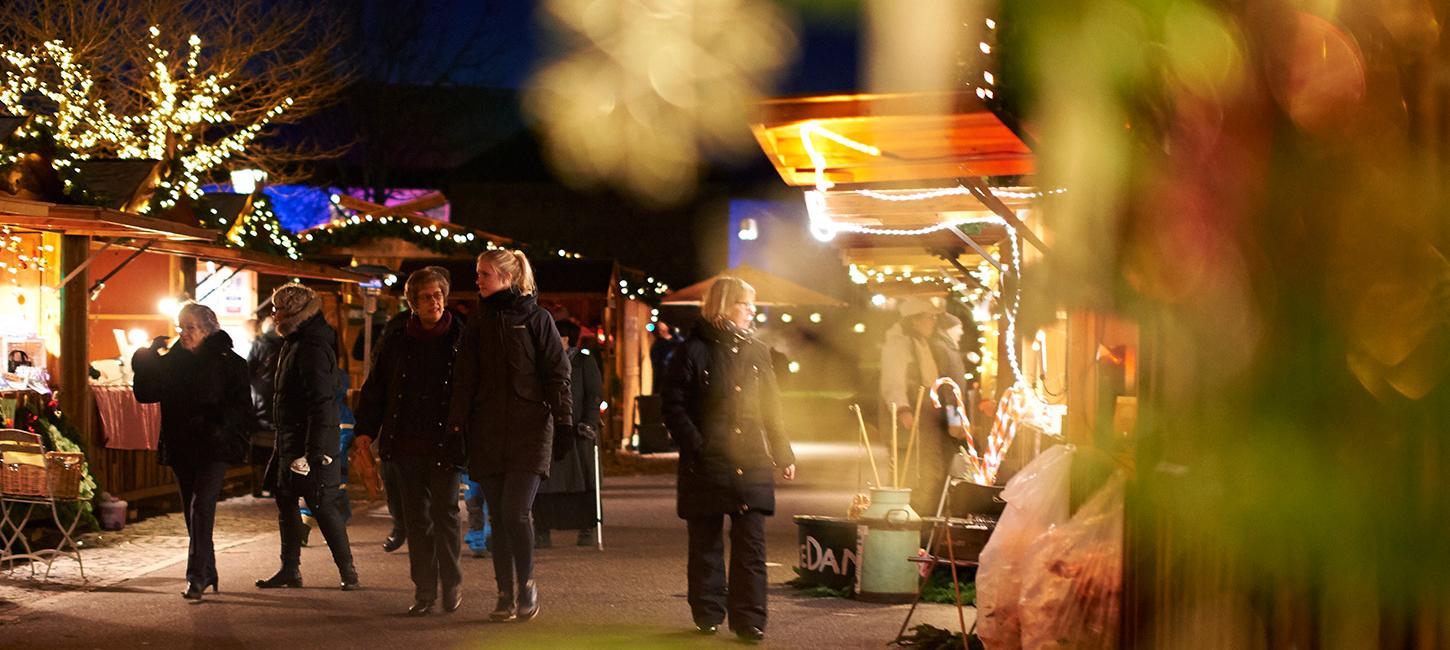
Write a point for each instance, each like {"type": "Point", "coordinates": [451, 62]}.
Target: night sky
{"type": "Point", "coordinates": [514, 42]}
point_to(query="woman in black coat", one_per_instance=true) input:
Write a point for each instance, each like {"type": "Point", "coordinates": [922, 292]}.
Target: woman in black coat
{"type": "Point", "coordinates": [511, 401]}
{"type": "Point", "coordinates": [722, 408]}
{"type": "Point", "coordinates": [307, 419]}
{"type": "Point", "coordinates": [206, 415]}
{"type": "Point", "coordinates": [567, 500]}
{"type": "Point", "coordinates": [403, 404]}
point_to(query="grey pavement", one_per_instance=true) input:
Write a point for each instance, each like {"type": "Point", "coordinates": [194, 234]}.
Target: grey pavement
{"type": "Point", "coordinates": [631, 595]}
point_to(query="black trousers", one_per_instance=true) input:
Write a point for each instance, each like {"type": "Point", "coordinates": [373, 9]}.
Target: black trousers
{"type": "Point", "coordinates": [709, 598]}
{"type": "Point", "coordinates": [510, 500]}
{"type": "Point", "coordinates": [200, 484]}
{"type": "Point", "coordinates": [394, 492]}
{"type": "Point", "coordinates": [320, 490]}
{"type": "Point", "coordinates": [430, 497]}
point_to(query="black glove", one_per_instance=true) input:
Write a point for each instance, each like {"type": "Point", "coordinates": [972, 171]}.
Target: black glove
{"type": "Point", "coordinates": [563, 440]}
{"type": "Point", "coordinates": [585, 432]}
{"type": "Point", "coordinates": [159, 343]}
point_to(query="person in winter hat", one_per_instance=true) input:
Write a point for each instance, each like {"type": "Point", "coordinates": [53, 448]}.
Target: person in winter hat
{"type": "Point", "coordinates": [307, 419]}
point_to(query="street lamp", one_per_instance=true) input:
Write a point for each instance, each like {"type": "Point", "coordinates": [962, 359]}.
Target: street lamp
{"type": "Point", "coordinates": [245, 181]}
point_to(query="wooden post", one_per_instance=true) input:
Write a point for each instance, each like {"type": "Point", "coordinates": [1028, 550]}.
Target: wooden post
{"type": "Point", "coordinates": [75, 353]}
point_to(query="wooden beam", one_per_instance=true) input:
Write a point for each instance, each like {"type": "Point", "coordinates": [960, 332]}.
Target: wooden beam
{"type": "Point", "coordinates": [979, 187]}
{"type": "Point", "coordinates": [966, 273]}
{"type": "Point", "coordinates": [75, 344]}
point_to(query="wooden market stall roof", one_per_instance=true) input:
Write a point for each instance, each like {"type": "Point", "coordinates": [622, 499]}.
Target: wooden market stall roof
{"type": "Point", "coordinates": [770, 289]}
{"type": "Point", "coordinates": [250, 260]}
{"type": "Point", "coordinates": [915, 136]}
{"type": "Point", "coordinates": [95, 221]}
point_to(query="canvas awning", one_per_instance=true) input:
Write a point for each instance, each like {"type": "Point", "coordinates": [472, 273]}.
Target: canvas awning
{"type": "Point", "coordinates": [770, 289]}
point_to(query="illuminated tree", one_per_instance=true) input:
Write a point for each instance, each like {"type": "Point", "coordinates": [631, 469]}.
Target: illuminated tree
{"type": "Point", "coordinates": [193, 84]}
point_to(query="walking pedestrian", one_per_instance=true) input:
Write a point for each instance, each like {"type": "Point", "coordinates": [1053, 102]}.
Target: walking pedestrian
{"type": "Point", "coordinates": [306, 417]}
{"type": "Point", "coordinates": [722, 408]}
{"type": "Point", "coordinates": [403, 405]}
{"type": "Point", "coordinates": [262, 364]}
{"type": "Point", "coordinates": [567, 499]}
{"type": "Point", "coordinates": [206, 425]}
{"type": "Point", "coordinates": [511, 401]}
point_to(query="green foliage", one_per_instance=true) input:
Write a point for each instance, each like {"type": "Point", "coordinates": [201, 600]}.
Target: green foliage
{"type": "Point", "coordinates": [805, 588]}
{"type": "Point", "coordinates": [351, 234]}
{"type": "Point", "coordinates": [261, 231]}
{"type": "Point", "coordinates": [58, 434]}
{"type": "Point", "coordinates": [938, 588]}
{"type": "Point", "coordinates": [931, 637]}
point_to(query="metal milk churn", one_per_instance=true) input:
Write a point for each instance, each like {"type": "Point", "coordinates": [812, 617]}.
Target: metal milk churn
{"type": "Point", "coordinates": [889, 534]}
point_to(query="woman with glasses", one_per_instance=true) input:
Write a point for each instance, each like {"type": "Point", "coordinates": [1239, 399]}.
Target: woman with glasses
{"type": "Point", "coordinates": [206, 424]}
{"type": "Point", "coordinates": [722, 408]}
{"type": "Point", "coordinates": [403, 405]}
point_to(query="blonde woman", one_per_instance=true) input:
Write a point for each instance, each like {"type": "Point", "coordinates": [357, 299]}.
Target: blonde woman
{"type": "Point", "coordinates": [206, 424]}
{"type": "Point", "coordinates": [722, 408]}
{"type": "Point", "coordinates": [512, 403]}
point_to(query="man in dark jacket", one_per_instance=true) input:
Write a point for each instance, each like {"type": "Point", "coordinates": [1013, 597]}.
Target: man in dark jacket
{"type": "Point", "coordinates": [306, 417]}
{"type": "Point", "coordinates": [567, 500]}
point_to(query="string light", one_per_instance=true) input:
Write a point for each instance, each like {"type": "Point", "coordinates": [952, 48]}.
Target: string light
{"type": "Point", "coordinates": [183, 109]}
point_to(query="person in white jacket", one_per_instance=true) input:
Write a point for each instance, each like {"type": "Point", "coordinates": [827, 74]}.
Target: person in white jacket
{"type": "Point", "coordinates": [913, 356]}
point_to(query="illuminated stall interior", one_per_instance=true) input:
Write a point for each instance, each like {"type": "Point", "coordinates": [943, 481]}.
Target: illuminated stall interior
{"type": "Point", "coordinates": [931, 194]}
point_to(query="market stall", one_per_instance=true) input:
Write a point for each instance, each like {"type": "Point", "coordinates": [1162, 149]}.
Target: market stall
{"type": "Point", "coordinates": [138, 302]}
{"type": "Point", "coordinates": [930, 195]}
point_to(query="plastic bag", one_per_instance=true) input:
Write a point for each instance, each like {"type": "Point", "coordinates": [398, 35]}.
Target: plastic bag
{"type": "Point", "coordinates": [1036, 499]}
{"type": "Point", "coordinates": [1072, 588]}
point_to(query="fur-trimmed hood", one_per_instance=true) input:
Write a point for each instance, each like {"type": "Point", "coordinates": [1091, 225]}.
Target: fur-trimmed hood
{"type": "Point", "coordinates": [294, 305]}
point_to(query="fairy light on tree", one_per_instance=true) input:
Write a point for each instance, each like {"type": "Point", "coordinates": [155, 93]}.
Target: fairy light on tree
{"type": "Point", "coordinates": [182, 109]}
{"type": "Point", "coordinates": [192, 85]}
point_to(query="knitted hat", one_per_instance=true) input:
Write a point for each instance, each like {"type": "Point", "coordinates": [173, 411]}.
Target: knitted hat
{"type": "Point", "coordinates": [294, 304]}
{"type": "Point", "coordinates": [913, 306]}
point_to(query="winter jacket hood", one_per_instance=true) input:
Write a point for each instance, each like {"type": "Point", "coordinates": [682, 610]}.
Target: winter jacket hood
{"type": "Point", "coordinates": [294, 309]}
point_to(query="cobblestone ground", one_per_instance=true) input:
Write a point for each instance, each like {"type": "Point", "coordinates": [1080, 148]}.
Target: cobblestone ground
{"type": "Point", "coordinates": [111, 557]}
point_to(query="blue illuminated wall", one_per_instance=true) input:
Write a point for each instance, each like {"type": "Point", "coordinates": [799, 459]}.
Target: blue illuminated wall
{"type": "Point", "coordinates": [300, 207]}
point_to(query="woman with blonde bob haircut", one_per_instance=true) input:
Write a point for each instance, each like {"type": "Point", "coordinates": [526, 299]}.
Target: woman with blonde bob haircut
{"type": "Point", "coordinates": [722, 408]}
{"type": "Point", "coordinates": [514, 410]}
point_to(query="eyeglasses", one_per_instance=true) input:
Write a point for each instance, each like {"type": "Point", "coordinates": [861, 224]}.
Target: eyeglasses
{"type": "Point", "coordinates": [436, 296]}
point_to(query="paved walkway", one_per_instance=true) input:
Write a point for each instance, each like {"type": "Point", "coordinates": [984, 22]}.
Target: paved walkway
{"type": "Point", "coordinates": [629, 596]}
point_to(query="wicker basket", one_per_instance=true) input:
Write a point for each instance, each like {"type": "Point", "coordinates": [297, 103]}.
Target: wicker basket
{"type": "Point", "coordinates": [19, 478]}
{"type": "Point", "coordinates": [65, 470]}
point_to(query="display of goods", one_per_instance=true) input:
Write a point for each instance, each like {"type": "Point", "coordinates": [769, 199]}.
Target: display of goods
{"type": "Point", "coordinates": [1037, 498]}
{"type": "Point", "coordinates": [1072, 587]}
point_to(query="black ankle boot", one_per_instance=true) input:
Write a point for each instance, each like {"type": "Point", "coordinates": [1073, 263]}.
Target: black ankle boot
{"type": "Point", "coordinates": [504, 611]}
{"type": "Point", "coordinates": [349, 578]}
{"type": "Point", "coordinates": [288, 577]}
{"type": "Point", "coordinates": [528, 601]}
